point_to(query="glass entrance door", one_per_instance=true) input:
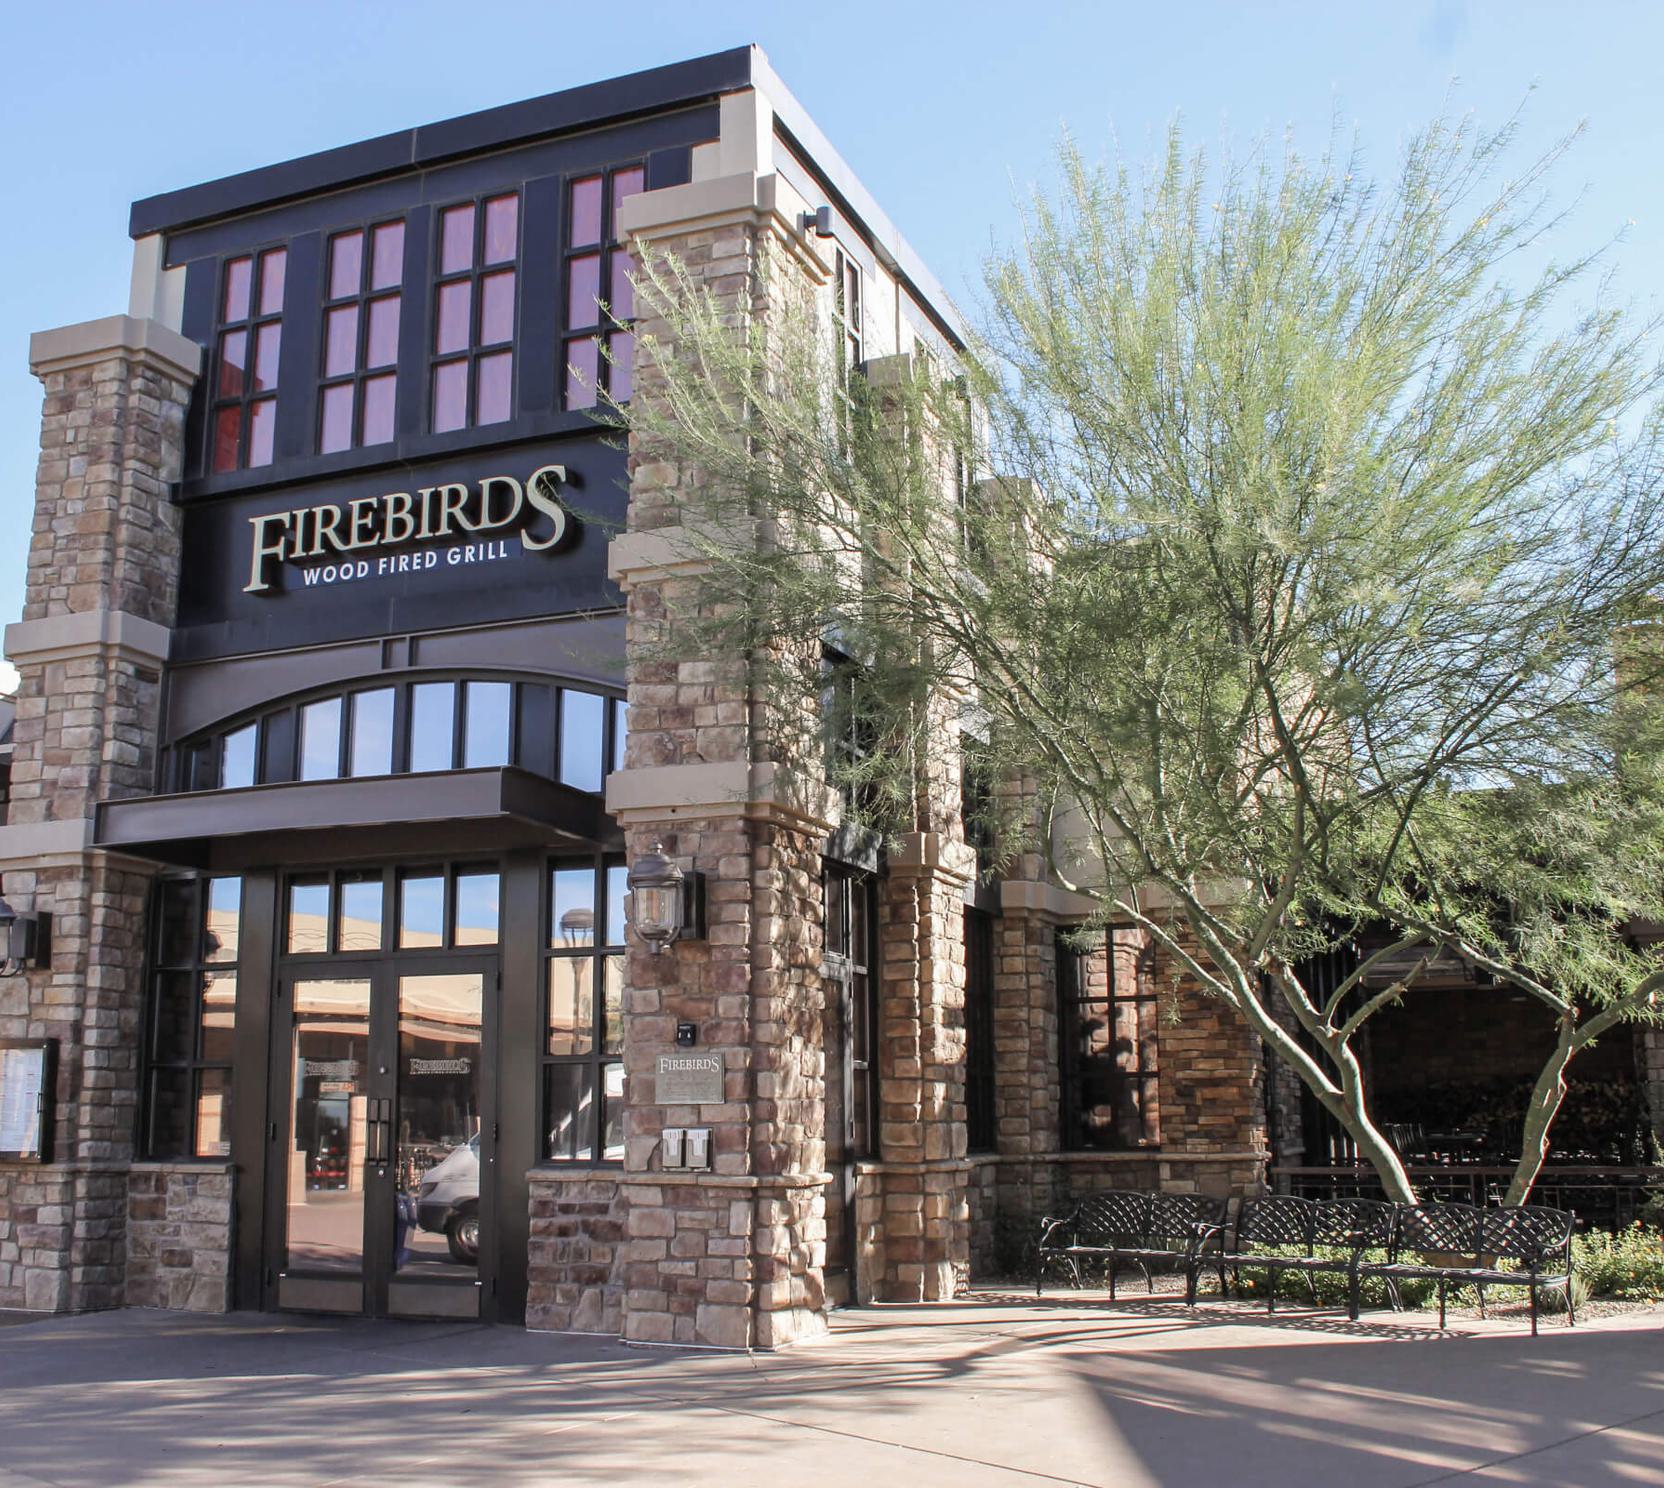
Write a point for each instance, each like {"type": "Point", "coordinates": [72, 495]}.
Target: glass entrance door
{"type": "Point", "coordinates": [380, 1125]}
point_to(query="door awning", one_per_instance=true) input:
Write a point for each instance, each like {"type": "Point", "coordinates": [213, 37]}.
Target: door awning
{"type": "Point", "coordinates": [320, 820]}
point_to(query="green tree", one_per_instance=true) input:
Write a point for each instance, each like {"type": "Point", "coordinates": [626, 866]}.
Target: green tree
{"type": "Point", "coordinates": [1297, 600]}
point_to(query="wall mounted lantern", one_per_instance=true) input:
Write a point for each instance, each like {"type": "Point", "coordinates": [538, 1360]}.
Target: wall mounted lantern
{"type": "Point", "coordinates": [25, 939]}
{"type": "Point", "coordinates": [666, 904]}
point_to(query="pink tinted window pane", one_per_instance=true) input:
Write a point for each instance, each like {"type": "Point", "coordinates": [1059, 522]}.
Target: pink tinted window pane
{"type": "Point", "coordinates": [341, 341]}
{"type": "Point", "coordinates": [452, 333]}
{"type": "Point", "coordinates": [346, 264]}
{"type": "Point", "coordinates": [584, 225]}
{"type": "Point", "coordinates": [272, 268]}
{"type": "Point", "coordinates": [262, 425]}
{"type": "Point", "coordinates": [582, 357]}
{"type": "Point", "coordinates": [495, 374]}
{"type": "Point", "coordinates": [450, 396]}
{"type": "Point", "coordinates": [335, 432]}
{"type": "Point", "coordinates": [583, 289]}
{"type": "Point", "coordinates": [497, 308]}
{"type": "Point", "coordinates": [267, 341]}
{"type": "Point", "coordinates": [621, 370]}
{"type": "Point", "coordinates": [378, 408]}
{"type": "Point", "coordinates": [387, 255]}
{"type": "Point", "coordinates": [382, 349]}
{"type": "Point", "coordinates": [621, 292]}
{"type": "Point", "coordinates": [456, 240]}
{"type": "Point", "coordinates": [233, 363]}
{"type": "Point", "coordinates": [626, 183]}
{"type": "Point", "coordinates": [226, 423]}
{"type": "Point", "coordinates": [502, 219]}
{"type": "Point", "coordinates": [237, 276]}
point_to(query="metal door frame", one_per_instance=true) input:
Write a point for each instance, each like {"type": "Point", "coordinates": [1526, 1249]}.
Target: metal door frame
{"type": "Point", "coordinates": [383, 973]}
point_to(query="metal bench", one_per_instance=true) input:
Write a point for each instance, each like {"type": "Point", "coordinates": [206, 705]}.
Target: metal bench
{"type": "Point", "coordinates": [1465, 1244]}
{"type": "Point", "coordinates": [1280, 1222]}
{"type": "Point", "coordinates": [1116, 1226]}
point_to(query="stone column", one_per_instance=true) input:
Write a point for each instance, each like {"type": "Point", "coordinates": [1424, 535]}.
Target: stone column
{"type": "Point", "coordinates": [732, 1257]}
{"type": "Point", "coordinates": [100, 598]}
{"type": "Point", "coordinates": [915, 1219]}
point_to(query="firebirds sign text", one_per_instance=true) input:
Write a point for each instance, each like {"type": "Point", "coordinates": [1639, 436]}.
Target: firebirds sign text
{"type": "Point", "coordinates": [449, 513]}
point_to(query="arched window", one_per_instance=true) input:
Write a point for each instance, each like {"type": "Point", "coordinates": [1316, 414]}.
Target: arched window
{"type": "Point", "coordinates": [411, 725]}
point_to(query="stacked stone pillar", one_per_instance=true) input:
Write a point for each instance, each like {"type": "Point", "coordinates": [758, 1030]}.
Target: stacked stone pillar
{"type": "Point", "coordinates": [101, 588]}
{"type": "Point", "coordinates": [1026, 1071]}
{"type": "Point", "coordinates": [914, 1206]}
{"type": "Point", "coordinates": [734, 1256]}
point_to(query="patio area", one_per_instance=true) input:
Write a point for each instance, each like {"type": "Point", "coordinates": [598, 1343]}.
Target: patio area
{"type": "Point", "coordinates": [993, 1389]}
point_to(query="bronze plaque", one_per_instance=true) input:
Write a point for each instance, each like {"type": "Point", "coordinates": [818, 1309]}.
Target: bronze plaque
{"type": "Point", "coordinates": [688, 1080]}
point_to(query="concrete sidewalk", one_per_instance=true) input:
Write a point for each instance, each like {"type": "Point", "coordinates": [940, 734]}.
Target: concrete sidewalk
{"type": "Point", "coordinates": [990, 1390]}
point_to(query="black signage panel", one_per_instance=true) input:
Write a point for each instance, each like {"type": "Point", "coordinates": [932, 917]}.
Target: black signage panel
{"type": "Point", "coordinates": [509, 533]}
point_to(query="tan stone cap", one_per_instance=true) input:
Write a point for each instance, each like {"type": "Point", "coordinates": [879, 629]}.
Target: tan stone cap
{"type": "Point", "coordinates": [94, 341]}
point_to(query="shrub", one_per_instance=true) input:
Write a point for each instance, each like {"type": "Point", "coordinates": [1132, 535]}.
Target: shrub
{"type": "Point", "coordinates": [1629, 1264]}
{"type": "Point", "coordinates": [1330, 1285]}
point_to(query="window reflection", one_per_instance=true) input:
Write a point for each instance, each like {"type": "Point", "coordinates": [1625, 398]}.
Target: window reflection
{"type": "Point", "coordinates": [372, 732]}
{"type": "Point", "coordinates": [571, 1004]}
{"type": "Point", "coordinates": [320, 740]}
{"type": "Point", "coordinates": [225, 903]}
{"type": "Point", "coordinates": [432, 719]}
{"type": "Point", "coordinates": [218, 1016]}
{"type": "Point", "coordinates": [421, 911]}
{"type": "Point", "coordinates": [620, 733]}
{"type": "Point", "coordinates": [358, 924]}
{"type": "Point", "coordinates": [308, 916]}
{"type": "Point", "coordinates": [618, 882]}
{"type": "Point", "coordinates": [572, 907]}
{"type": "Point", "coordinates": [477, 900]}
{"type": "Point", "coordinates": [237, 761]}
{"type": "Point", "coordinates": [582, 726]}
{"type": "Point", "coordinates": [612, 1137]}
{"type": "Point", "coordinates": [486, 732]}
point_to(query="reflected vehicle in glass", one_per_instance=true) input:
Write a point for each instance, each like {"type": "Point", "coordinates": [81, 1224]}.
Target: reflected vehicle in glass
{"type": "Point", "coordinates": [448, 1202]}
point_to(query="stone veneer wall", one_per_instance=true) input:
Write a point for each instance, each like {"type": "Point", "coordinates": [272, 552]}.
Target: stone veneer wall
{"type": "Point", "coordinates": [101, 587]}
{"type": "Point", "coordinates": [1211, 1088]}
{"type": "Point", "coordinates": [733, 1257]}
{"type": "Point", "coordinates": [577, 1229]}
{"type": "Point", "coordinates": [179, 1236]}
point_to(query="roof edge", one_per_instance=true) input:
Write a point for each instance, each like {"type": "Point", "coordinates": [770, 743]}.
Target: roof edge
{"type": "Point", "coordinates": [590, 104]}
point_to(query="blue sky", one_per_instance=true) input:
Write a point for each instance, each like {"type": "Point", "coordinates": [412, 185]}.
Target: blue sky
{"type": "Point", "coordinates": [944, 109]}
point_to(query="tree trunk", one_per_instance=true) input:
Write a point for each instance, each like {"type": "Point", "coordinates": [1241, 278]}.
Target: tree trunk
{"type": "Point", "coordinates": [1547, 1096]}
{"type": "Point", "coordinates": [1346, 1104]}
{"type": "Point", "coordinates": [1350, 1110]}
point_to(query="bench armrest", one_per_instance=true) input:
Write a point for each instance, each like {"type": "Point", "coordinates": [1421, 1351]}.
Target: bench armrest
{"type": "Point", "coordinates": [1202, 1234]}
{"type": "Point", "coordinates": [1051, 1225]}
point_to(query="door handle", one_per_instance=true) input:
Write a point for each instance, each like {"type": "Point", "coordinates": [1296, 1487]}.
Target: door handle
{"type": "Point", "coordinates": [377, 1138]}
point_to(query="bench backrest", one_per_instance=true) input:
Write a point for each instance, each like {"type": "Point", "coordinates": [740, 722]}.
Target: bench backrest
{"type": "Point", "coordinates": [1282, 1219]}
{"type": "Point", "coordinates": [1518, 1233]}
{"type": "Point", "coordinates": [1113, 1215]}
{"type": "Point", "coordinates": [1177, 1216]}
{"type": "Point", "coordinates": [1119, 1215]}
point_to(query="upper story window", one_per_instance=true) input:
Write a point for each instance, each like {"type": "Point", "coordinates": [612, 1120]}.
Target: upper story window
{"type": "Point", "coordinates": [472, 371]}
{"type": "Point", "coordinates": [243, 422]}
{"type": "Point", "coordinates": [846, 312]}
{"type": "Point", "coordinates": [600, 297]}
{"type": "Point", "coordinates": [363, 272]}
{"type": "Point", "coordinates": [388, 728]}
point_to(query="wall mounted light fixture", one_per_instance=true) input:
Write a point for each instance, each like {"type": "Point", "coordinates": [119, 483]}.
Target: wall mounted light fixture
{"type": "Point", "coordinates": [25, 939]}
{"type": "Point", "coordinates": [666, 903]}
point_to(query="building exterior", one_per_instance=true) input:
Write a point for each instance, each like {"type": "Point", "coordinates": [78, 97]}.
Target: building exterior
{"type": "Point", "coordinates": [336, 737]}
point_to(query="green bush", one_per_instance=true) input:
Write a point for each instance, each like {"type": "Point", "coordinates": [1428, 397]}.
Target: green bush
{"type": "Point", "coordinates": [1629, 1264]}
{"type": "Point", "coordinates": [1330, 1285]}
